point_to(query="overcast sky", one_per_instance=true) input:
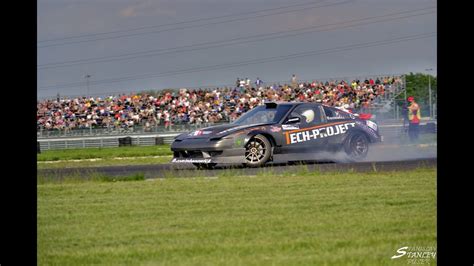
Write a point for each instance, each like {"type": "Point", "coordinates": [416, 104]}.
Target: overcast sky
{"type": "Point", "coordinates": [138, 45]}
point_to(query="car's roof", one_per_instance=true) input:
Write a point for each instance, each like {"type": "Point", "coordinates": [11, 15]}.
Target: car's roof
{"type": "Point", "coordinates": [292, 103]}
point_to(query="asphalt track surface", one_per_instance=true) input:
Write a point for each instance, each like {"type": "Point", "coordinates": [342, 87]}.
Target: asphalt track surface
{"type": "Point", "coordinates": [380, 158]}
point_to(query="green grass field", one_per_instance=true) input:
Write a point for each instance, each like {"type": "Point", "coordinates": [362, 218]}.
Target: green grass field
{"type": "Point", "coordinates": [291, 219]}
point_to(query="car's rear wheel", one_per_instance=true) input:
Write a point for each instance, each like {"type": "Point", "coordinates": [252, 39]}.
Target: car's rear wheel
{"type": "Point", "coordinates": [205, 165]}
{"type": "Point", "coordinates": [257, 151]}
{"type": "Point", "coordinates": [357, 147]}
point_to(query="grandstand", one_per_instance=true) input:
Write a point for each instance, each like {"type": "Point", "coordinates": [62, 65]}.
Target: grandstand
{"type": "Point", "coordinates": [189, 108]}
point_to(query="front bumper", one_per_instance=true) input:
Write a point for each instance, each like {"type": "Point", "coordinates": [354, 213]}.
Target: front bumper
{"type": "Point", "coordinates": [206, 151]}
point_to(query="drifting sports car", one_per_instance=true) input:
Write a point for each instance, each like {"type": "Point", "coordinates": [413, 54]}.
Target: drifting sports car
{"type": "Point", "coordinates": [275, 132]}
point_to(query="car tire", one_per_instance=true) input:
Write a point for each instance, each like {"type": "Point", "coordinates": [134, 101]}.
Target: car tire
{"type": "Point", "coordinates": [205, 165]}
{"type": "Point", "coordinates": [356, 147]}
{"type": "Point", "coordinates": [257, 151]}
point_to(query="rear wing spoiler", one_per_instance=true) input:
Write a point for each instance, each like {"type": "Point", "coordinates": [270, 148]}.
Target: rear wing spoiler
{"type": "Point", "coordinates": [365, 116]}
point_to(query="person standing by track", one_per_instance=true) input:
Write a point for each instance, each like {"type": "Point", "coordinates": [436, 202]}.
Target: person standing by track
{"type": "Point", "coordinates": [414, 117]}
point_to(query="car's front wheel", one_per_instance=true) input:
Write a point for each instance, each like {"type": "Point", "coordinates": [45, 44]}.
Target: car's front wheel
{"type": "Point", "coordinates": [257, 151]}
{"type": "Point", "coordinates": [357, 147]}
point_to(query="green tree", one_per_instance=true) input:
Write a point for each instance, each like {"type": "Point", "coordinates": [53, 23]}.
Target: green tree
{"type": "Point", "coordinates": [417, 85]}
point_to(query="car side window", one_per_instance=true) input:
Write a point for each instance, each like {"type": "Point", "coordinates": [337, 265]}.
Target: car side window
{"type": "Point", "coordinates": [309, 115]}
{"type": "Point", "coordinates": [328, 112]}
{"type": "Point", "coordinates": [334, 114]}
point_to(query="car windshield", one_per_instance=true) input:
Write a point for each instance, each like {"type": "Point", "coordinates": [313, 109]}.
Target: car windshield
{"type": "Point", "coordinates": [263, 115]}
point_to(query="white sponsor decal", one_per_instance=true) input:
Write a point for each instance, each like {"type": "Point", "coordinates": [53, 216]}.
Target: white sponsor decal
{"type": "Point", "coordinates": [289, 127]}
{"type": "Point", "coordinates": [319, 133]}
{"type": "Point", "coordinates": [187, 160]}
{"type": "Point", "coordinates": [275, 129]}
{"type": "Point", "coordinates": [371, 124]}
{"type": "Point", "coordinates": [336, 117]}
{"type": "Point", "coordinates": [200, 132]}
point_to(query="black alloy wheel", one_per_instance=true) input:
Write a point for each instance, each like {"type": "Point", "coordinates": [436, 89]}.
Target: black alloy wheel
{"type": "Point", "coordinates": [357, 147]}
{"type": "Point", "coordinates": [257, 151]}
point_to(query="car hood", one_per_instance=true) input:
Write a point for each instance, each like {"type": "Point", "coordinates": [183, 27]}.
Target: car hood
{"type": "Point", "coordinates": [217, 131]}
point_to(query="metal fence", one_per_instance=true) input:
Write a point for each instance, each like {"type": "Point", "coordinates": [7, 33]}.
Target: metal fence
{"type": "Point", "coordinates": [104, 141]}
{"type": "Point", "coordinates": [424, 108]}
{"type": "Point", "coordinates": [112, 131]}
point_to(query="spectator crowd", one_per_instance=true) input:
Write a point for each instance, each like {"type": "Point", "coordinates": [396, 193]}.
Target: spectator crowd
{"type": "Point", "coordinates": [196, 106]}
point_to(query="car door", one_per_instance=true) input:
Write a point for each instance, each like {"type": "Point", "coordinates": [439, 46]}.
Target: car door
{"type": "Point", "coordinates": [339, 124]}
{"type": "Point", "coordinates": [303, 136]}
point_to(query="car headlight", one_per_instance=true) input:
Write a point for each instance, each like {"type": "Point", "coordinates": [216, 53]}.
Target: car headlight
{"type": "Point", "coordinates": [221, 138]}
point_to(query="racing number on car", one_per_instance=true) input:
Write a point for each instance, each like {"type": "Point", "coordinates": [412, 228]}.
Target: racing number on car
{"type": "Point", "coordinates": [317, 132]}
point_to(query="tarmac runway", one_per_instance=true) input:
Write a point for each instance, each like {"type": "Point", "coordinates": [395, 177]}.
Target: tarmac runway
{"type": "Point", "coordinates": [381, 157]}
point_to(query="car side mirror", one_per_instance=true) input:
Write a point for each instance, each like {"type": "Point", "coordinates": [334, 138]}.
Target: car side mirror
{"type": "Point", "coordinates": [293, 120]}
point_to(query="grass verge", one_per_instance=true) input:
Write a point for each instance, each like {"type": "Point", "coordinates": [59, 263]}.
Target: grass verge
{"type": "Point", "coordinates": [104, 162]}
{"type": "Point", "coordinates": [104, 153]}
